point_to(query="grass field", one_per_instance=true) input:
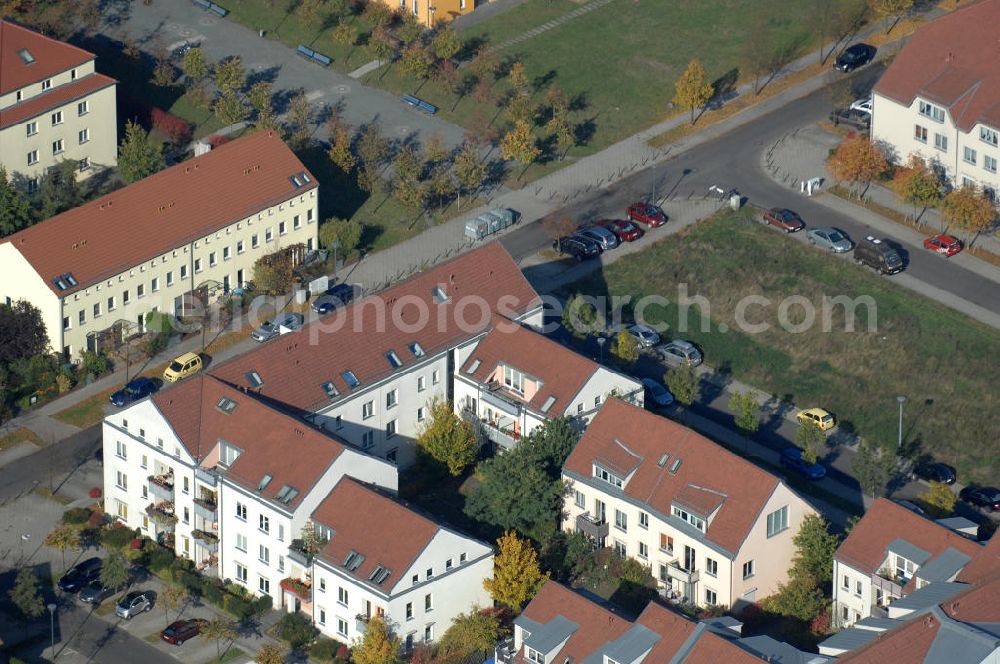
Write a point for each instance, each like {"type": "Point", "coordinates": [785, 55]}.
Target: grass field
{"type": "Point", "coordinates": [88, 412]}
{"type": "Point", "coordinates": [941, 360]}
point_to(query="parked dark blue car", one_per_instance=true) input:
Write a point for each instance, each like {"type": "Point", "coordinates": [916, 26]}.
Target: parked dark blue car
{"type": "Point", "coordinates": [136, 389]}
{"type": "Point", "coordinates": [792, 458]}
{"type": "Point", "coordinates": [336, 297]}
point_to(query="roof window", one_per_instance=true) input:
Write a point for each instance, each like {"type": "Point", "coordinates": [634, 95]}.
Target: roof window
{"type": "Point", "coordinates": [548, 404]}
{"type": "Point", "coordinates": [226, 405]}
{"type": "Point", "coordinates": [26, 56]}
{"type": "Point", "coordinates": [439, 295]}
{"type": "Point", "coordinates": [351, 380]}
{"type": "Point", "coordinates": [417, 349]}
{"type": "Point", "coordinates": [394, 359]}
{"type": "Point", "coordinates": [330, 389]}
{"type": "Point", "coordinates": [264, 481]}
{"type": "Point", "coordinates": [254, 379]}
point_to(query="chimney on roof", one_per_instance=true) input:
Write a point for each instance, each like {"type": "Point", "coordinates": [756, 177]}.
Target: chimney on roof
{"type": "Point", "coordinates": [954, 607]}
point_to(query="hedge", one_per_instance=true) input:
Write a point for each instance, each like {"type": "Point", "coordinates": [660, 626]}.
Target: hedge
{"type": "Point", "coordinates": [76, 516]}
{"type": "Point", "coordinates": [328, 650]}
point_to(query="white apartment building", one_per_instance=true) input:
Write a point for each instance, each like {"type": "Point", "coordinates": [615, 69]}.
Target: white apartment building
{"type": "Point", "coordinates": [382, 558]}
{"type": "Point", "coordinates": [939, 97]}
{"type": "Point", "coordinates": [225, 480]}
{"type": "Point", "coordinates": [195, 229]}
{"type": "Point", "coordinates": [715, 529]}
{"type": "Point", "coordinates": [368, 372]}
{"type": "Point", "coordinates": [53, 106]}
{"type": "Point", "coordinates": [891, 553]}
{"type": "Point", "coordinates": [515, 379]}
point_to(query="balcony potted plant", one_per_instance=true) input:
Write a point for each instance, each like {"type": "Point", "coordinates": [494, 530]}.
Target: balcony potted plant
{"type": "Point", "coordinates": [296, 587]}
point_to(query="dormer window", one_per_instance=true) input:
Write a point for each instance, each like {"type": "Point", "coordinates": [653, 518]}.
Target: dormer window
{"type": "Point", "coordinates": [534, 655]}
{"type": "Point", "coordinates": [904, 568]}
{"type": "Point", "coordinates": [610, 478]}
{"type": "Point", "coordinates": [513, 379]}
{"type": "Point", "coordinates": [931, 111]}
{"type": "Point", "coordinates": [684, 515]}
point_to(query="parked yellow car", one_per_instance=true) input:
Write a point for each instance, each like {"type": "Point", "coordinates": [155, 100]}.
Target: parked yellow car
{"type": "Point", "coordinates": [819, 417]}
{"type": "Point", "coordinates": [183, 366]}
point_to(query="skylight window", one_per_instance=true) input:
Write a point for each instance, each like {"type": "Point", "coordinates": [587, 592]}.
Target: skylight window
{"type": "Point", "coordinates": [26, 56]}
{"type": "Point", "coordinates": [295, 181]}
{"type": "Point", "coordinates": [351, 380]}
{"type": "Point", "coordinates": [290, 496]}
{"type": "Point", "coordinates": [473, 367]}
{"type": "Point", "coordinates": [264, 481]}
{"type": "Point", "coordinates": [675, 465]}
{"type": "Point", "coordinates": [305, 177]}
{"type": "Point", "coordinates": [663, 459]}
{"type": "Point", "coordinates": [548, 404]}
{"type": "Point", "coordinates": [379, 575]}
{"type": "Point", "coordinates": [284, 491]}
{"type": "Point", "coordinates": [375, 572]}
{"type": "Point", "coordinates": [353, 560]}
{"type": "Point", "coordinates": [394, 359]}
{"type": "Point", "coordinates": [330, 389]}
{"type": "Point", "coordinates": [417, 349]}
{"type": "Point", "coordinates": [254, 379]}
{"type": "Point", "coordinates": [226, 405]}
{"type": "Point", "coordinates": [439, 295]}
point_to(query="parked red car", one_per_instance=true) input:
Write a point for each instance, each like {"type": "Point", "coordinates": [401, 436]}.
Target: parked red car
{"type": "Point", "coordinates": [645, 213]}
{"type": "Point", "coordinates": [624, 230]}
{"type": "Point", "coordinates": [784, 219]}
{"type": "Point", "coordinates": [946, 245]}
{"type": "Point", "coordinates": [181, 630]}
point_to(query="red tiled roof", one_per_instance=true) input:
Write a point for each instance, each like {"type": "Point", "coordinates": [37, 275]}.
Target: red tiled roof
{"type": "Point", "coordinates": [273, 444]}
{"type": "Point", "coordinates": [563, 373]}
{"type": "Point", "coordinates": [866, 547]}
{"type": "Point", "coordinates": [295, 367]}
{"type": "Point", "coordinates": [674, 630]}
{"type": "Point", "coordinates": [986, 562]}
{"type": "Point", "coordinates": [952, 61]}
{"type": "Point", "coordinates": [58, 96]}
{"type": "Point", "coordinates": [147, 219]}
{"type": "Point", "coordinates": [703, 464]}
{"type": "Point", "coordinates": [907, 644]}
{"type": "Point", "coordinates": [980, 603]}
{"type": "Point", "coordinates": [368, 522]}
{"type": "Point", "coordinates": [51, 56]}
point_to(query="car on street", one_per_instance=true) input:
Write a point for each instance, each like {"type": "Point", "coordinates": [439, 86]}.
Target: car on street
{"type": "Point", "coordinates": [854, 56]}
{"type": "Point", "coordinates": [791, 458]}
{"type": "Point", "coordinates": [180, 631]}
{"type": "Point", "coordinates": [577, 247]}
{"type": "Point", "coordinates": [821, 418]}
{"type": "Point", "coordinates": [784, 219]}
{"type": "Point", "coordinates": [136, 389]}
{"type": "Point", "coordinates": [182, 366]}
{"type": "Point", "coordinates": [913, 507]}
{"type": "Point", "coordinates": [982, 496]}
{"type": "Point", "coordinates": [134, 603]}
{"type": "Point", "coordinates": [943, 245]}
{"type": "Point", "coordinates": [679, 352]}
{"type": "Point", "coordinates": [272, 328]}
{"type": "Point", "coordinates": [879, 255]}
{"type": "Point", "coordinates": [647, 337]}
{"type": "Point", "coordinates": [80, 575]}
{"type": "Point", "coordinates": [95, 592]}
{"type": "Point", "coordinates": [935, 472]}
{"type": "Point", "coordinates": [657, 393]}
{"type": "Point", "coordinates": [851, 117]}
{"type": "Point", "coordinates": [624, 230]}
{"type": "Point", "coordinates": [182, 49]}
{"type": "Point", "coordinates": [863, 105]}
{"type": "Point", "coordinates": [646, 213]}
{"type": "Point", "coordinates": [829, 238]}
{"type": "Point", "coordinates": [600, 236]}
{"type": "Point", "coordinates": [335, 297]}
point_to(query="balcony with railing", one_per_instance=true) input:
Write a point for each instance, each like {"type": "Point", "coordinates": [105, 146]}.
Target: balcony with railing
{"type": "Point", "coordinates": [592, 527]}
{"type": "Point", "coordinates": [678, 573]}
{"type": "Point", "coordinates": [299, 553]}
{"type": "Point", "coordinates": [206, 509]}
{"type": "Point", "coordinates": [207, 476]}
{"type": "Point", "coordinates": [889, 583]}
{"type": "Point", "coordinates": [162, 515]}
{"type": "Point", "coordinates": [162, 486]}
{"type": "Point", "coordinates": [208, 541]}
{"type": "Point", "coordinates": [504, 651]}
{"type": "Point", "coordinates": [297, 587]}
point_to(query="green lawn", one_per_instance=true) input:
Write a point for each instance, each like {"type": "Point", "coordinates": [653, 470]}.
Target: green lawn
{"type": "Point", "coordinates": [19, 436]}
{"type": "Point", "coordinates": [943, 361]}
{"type": "Point", "coordinates": [88, 412]}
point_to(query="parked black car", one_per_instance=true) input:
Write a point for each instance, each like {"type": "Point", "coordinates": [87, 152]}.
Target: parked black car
{"type": "Point", "coordinates": [334, 298]}
{"type": "Point", "coordinates": [935, 472]}
{"type": "Point", "coordinates": [982, 496]}
{"type": "Point", "coordinates": [95, 592]}
{"type": "Point", "coordinates": [82, 574]}
{"type": "Point", "coordinates": [577, 247]}
{"type": "Point", "coordinates": [137, 388]}
{"type": "Point", "coordinates": [857, 55]}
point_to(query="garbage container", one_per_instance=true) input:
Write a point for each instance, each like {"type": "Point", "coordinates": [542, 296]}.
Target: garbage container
{"type": "Point", "coordinates": [734, 201]}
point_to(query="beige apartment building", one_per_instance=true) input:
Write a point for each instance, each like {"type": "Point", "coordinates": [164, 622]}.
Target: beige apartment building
{"type": "Point", "coordinates": [940, 98]}
{"type": "Point", "coordinates": [198, 227]}
{"type": "Point", "coordinates": [53, 106]}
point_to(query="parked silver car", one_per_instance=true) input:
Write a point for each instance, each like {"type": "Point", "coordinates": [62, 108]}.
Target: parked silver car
{"type": "Point", "coordinates": [272, 327]}
{"type": "Point", "coordinates": [134, 603]}
{"type": "Point", "coordinates": [832, 239]}
{"type": "Point", "coordinates": [646, 336]}
{"type": "Point", "coordinates": [657, 393]}
{"type": "Point", "coordinates": [679, 352]}
{"type": "Point", "coordinates": [604, 238]}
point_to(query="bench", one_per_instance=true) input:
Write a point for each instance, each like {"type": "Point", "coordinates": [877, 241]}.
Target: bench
{"type": "Point", "coordinates": [204, 4]}
{"type": "Point", "coordinates": [420, 104]}
{"type": "Point", "coordinates": [221, 11]}
{"type": "Point", "coordinates": [310, 54]}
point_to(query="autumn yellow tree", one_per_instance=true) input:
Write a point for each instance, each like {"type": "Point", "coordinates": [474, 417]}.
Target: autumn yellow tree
{"type": "Point", "coordinates": [968, 209]}
{"type": "Point", "coordinates": [447, 438]}
{"type": "Point", "coordinates": [64, 538]}
{"type": "Point", "coordinates": [857, 160]}
{"type": "Point", "coordinates": [920, 186]}
{"type": "Point", "coordinates": [893, 9]}
{"type": "Point", "coordinates": [516, 574]}
{"type": "Point", "coordinates": [340, 151]}
{"type": "Point", "coordinates": [377, 646]}
{"type": "Point", "coordinates": [625, 348]}
{"type": "Point", "coordinates": [519, 144]}
{"type": "Point", "coordinates": [692, 90]}
{"type": "Point", "coordinates": [939, 499]}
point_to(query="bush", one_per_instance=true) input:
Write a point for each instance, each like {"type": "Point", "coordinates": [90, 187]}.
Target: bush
{"type": "Point", "coordinates": [96, 519]}
{"type": "Point", "coordinates": [159, 559]}
{"type": "Point", "coordinates": [178, 130]}
{"type": "Point", "coordinates": [295, 630]}
{"type": "Point", "coordinates": [325, 650]}
{"type": "Point", "coordinates": [236, 606]}
{"type": "Point", "coordinates": [76, 516]}
{"type": "Point", "coordinates": [116, 538]}
{"type": "Point", "coordinates": [262, 605]}
{"type": "Point", "coordinates": [212, 593]}
{"type": "Point", "coordinates": [94, 363]}
{"type": "Point", "coordinates": [191, 581]}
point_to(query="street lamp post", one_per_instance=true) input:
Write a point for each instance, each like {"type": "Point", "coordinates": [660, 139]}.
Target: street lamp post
{"type": "Point", "coordinates": [52, 626]}
{"type": "Point", "coordinates": [335, 245]}
{"type": "Point", "coordinates": [600, 342]}
{"type": "Point", "coordinates": [899, 443]}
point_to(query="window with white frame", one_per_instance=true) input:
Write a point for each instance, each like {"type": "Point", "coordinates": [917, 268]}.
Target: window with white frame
{"type": "Point", "coordinates": [57, 118]}
{"type": "Point", "coordinates": [435, 377]}
{"type": "Point", "coordinates": [931, 111]}
{"type": "Point", "coordinates": [688, 517]}
{"type": "Point", "coordinates": [428, 602]}
{"type": "Point", "coordinates": [610, 478]}
{"type": "Point", "coordinates": [367, 409]}
{"type": "Point", "coordinates": [987, 135]}
{"type": "Point", "coordinates": [342, 596]}
{"type": "Point", "coordinates": [710, 597]}
{"type": "Point", "coordinates": [390, 428]}
{"type": "Point", "coordinates": [121, 480]}
{"type": "Point", "coordinates": [969, 155]}
{"type": "Point", "coordinates": [643, 520]}
{"type": "Point", "coordinates": [534, 655]}
{"type": "Point", "coordinates": [341, 627]}
{"type": "Point", "coordinates": [241, 542]}
{"type": "Point", "coordinates": [513, 379]}
{"type": "Point", "coordinates": [643, 550]}
{"type": "Point", "coordinates": [263, 554]}
{"type": "Point", "coordinates": [581, 500]}
{"type": "Point", "coordinates": [989, 163]}
{"type": "Point", "coordinates": [121, 451]}
{"type": "Point", "coordinates": [391, 398]}
{"type": "Point", "coordinates": [265, 524]}
{"type": "Point", "coordinates": [421, 383]}
{"type": "Point", "coordinates": [621, 520]}
{"type": "Point", "coordinates": [241, 511]}
{"type": "Point", "coordinates": [32, 157]}
{"type": "Point", "coordinates": [777, 521]}
{"type": "Point", "coordinates": [83, 108]}
{"type": "Point", "coordinates": [711, 567]}
{"type": "Point", "coordinates": [32, 128]}
{"type": "Point", "coordinates": [264, 585]}
{"type": "Point", "coordinates": [421, 413]}
{"type": "Point", "coordinates": [57, 146]}
{"type": "Point", "coordinates": [241, 573]}
{"type": "Point", "coordinates": [920, 133]}
{"type": "Point", "coordinates": [748, 569]}
{"type": "Point", "coordinates": [941, 142]}
{"type": "Point", "coordinates": [83, 136]}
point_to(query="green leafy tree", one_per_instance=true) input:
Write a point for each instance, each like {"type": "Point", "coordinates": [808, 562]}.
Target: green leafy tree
{"type": "Point", "coordinates": [377, 646]}
{"type": "Point", "coordinates": [194, 65]}
{"type": "Point", "coordinates": [347, 232]}
{"type": "Point", "coordinates": [814, 548]}
{"type": "Point", "coordinates": [682, 383]}
{"type": "Point", "coordinates": [114, 572]}
{"type": "Point", "coordinates": [625, 348]}
{"type": "Point", "coordinates": [219, 629]}
{"type": "Point", "coordinates": [63, 538]}
{"type": "Point", "coordinates": [26, 595]}
{"type": "Point", "coordinates": [470, 632]}
{"type": "Point", "coordinates": [381, 44]}
{"type": "Point", "coordinates": [446, 44]}
{"type": "Point", "coordinates": [15, 209]}
{"type": "Point", "coordinates": [164, 73]}
{"type": "Point", "coordinates": [23, 332]}
{"type": "Point", "coordinates": [744, 407]}
{"type": "Point", "coordinates": [261, 99]}
{"type": "Point", "coordinates": [270, 653]}
{"type": "Point", "coordinates": [872, 466]}
{"type": "Point", "coordinates": [373, 147]}
{"type": "Point", "coordinates": [469, 169]}
{"type": "Point", "coordinates": [447, 438]}
{"type": "Point", "coordinates": [692, 90]}
{"type": "Point", "coordinates": [230, 108]}
{"type": "Point", "coordinates": [230, 76]}
{"type": "Point", "coordinates": [939, 499]}
{"type": "Point", "coordinates": [516, 574]}
{"type": "Point", "coordinates": [799, 598]}
{"type": "Point", "coordinates": [416, 61]}
{"type": "Point", "coordinates": [579, 316]}
{"type": "Point", "coordinates": [299, 112]}
{"type": "Point", "coordinates": [310, 13]}
{"type": "Point", "coordinates": [272, 275]}
{"type": "Point", "coordinates": [345, 34]}
{"type": "Point", "coordinates": [59, 190]}
{"type": "Point", "coordinates": [138, 156]}
{"type": "Point", "coordinates": [810, 438]}
{"type": "Point", "coordinates": [920, 187]}
{"type": "Point", "coordinates": [519, 144]}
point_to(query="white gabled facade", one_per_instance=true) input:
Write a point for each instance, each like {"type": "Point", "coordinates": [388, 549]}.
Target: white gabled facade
{"type": "Point", "coordinates": [445, 580]}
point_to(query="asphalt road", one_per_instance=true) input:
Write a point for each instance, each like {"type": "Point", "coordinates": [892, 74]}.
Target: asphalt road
{"type": "Point", "coordinates": [52, 464]}
{"type": "Point", "coordinates": [732, 161]}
